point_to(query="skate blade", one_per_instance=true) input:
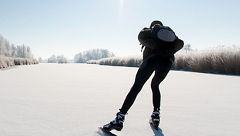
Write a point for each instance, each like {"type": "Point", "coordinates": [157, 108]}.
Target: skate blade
{"type": "Point", "coordinates": [106, 133]}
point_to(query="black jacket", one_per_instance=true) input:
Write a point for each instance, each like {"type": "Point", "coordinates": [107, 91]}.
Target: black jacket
{"type": "Point", "coordinates": [154, 47]}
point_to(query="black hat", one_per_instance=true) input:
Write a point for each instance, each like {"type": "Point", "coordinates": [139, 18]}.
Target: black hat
{"type": "Point", "coordinates": [155, 22]}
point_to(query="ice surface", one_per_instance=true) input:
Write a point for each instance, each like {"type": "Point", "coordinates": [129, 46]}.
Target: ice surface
{"type": "Point", "coordinates": [75, 99]}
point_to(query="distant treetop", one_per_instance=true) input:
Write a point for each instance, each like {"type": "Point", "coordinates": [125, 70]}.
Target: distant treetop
{"type": "Point", "coordinates": [93, 54]}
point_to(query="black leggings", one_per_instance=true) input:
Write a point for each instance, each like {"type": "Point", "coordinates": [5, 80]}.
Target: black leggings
{"type": "Point", "coordinates": [161, 68]}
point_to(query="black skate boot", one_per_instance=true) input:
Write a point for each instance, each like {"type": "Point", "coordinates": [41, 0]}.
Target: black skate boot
{"type": "Point", "coordinates": [155, 119]}
{"type": "Point", "coordinates": [116, 124]}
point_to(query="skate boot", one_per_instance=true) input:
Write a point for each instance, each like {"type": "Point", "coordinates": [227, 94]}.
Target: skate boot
{"type": "Point", "coordinates": [155, 119]}
{"type": "Point", "coordinates": [116, 124]}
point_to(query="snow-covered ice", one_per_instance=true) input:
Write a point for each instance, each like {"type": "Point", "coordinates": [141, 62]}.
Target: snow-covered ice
{"type": "Point", "coordinates": [75, 99]}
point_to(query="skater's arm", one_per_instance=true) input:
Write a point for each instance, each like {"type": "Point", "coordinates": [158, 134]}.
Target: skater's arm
{"type": "Point", "coordinates": [145, 38]}
{"type": "Point", "coordinates": [178, 45]}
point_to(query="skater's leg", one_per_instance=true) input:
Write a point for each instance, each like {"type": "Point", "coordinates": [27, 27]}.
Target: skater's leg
{"type": "Point", "coordinates": [162, 68]}
{"type": "Point", "coordinates": [161, 71]}
{"type": "Point", "coordinates": [144, 72]}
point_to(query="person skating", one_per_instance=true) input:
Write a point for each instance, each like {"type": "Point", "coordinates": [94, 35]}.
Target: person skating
{"type": "Point", "coordinates": [160, 44]}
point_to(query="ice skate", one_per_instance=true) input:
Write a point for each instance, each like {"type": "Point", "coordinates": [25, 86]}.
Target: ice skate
{"type": "Point", "coordinates": [116, 124]}
{"type": "Point", "coordinates": [155, 119]}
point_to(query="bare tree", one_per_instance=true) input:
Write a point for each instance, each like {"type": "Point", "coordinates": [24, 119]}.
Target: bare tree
{"type": "Point", "coordinates": [187, 47]}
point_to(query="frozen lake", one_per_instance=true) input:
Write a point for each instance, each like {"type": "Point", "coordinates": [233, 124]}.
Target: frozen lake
{"type": "Point", "coordinates": [75, 99]}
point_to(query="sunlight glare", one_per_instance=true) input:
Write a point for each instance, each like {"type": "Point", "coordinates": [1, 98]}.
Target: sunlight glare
{"type": "Point", "coordinates": [121, 3]}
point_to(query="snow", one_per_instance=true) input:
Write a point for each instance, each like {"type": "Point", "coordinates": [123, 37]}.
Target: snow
{"type": "Point", "coordinates": [75, 99]}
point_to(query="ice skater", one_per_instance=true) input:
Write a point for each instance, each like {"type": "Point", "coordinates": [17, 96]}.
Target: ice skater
{"type": "Point", "coordinates": [160, 44]}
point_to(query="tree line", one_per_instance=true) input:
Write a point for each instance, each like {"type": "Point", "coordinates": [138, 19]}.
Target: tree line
{"type": "Point", "coordinates": [10, 50]}
{"type": "Point", "coordinates": [93, 54]}
{"type": "Point", "coordinates": [57, 59]}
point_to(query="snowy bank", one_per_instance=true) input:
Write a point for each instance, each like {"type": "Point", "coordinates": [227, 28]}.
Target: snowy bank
{"type": "Point", "coordinates": [9, 61]}
{"type": "Point", "coordinates": [217, 60]}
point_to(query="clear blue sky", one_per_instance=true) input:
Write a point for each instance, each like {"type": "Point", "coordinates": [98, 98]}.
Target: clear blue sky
{"type": "Point", "coordinates": [71, 26]}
